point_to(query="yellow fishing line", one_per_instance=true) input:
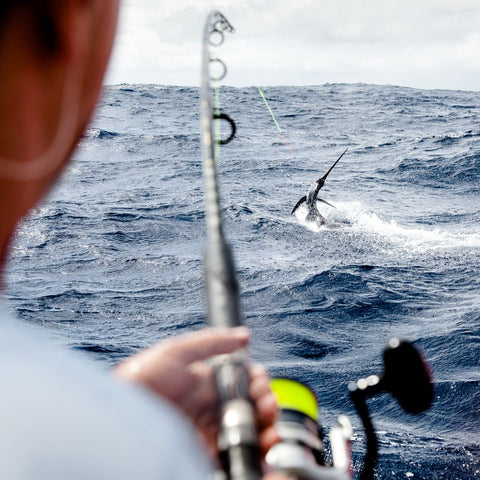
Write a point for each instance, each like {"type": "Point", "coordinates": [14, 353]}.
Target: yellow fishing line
{"type": "Point", "coordinates": [275, 121]}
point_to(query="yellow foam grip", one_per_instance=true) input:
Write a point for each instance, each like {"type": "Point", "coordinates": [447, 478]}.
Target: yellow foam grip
{"type": "Point", "coordinates": [295, 396]}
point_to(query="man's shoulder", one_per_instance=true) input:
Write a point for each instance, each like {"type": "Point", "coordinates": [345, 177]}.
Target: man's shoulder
{"type": "Point", "coordinates": [64, 416]}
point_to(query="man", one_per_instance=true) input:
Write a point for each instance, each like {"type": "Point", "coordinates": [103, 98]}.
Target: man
{"type": "Point", "coordinates": [61, 418]}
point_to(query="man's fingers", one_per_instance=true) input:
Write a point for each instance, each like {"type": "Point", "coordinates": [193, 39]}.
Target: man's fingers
{"type": "Point", "coordinates": [259, 382]}
{"type": "Point", "coordinates": [267, 438]}
{"type": "Point", "coordinates": [209, 342]}
{"type": "Point", "coordinates": [202, 394]}
{"type": "Point", "coordinates": [263, 396]}
{"type": "Point", "coordinates": [277, 476]}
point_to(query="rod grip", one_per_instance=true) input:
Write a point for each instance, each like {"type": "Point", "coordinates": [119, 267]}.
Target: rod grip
{"type": "Point", "coordinates": [238, 437]}
{"type": "Point", "coordinates": [241, 462]}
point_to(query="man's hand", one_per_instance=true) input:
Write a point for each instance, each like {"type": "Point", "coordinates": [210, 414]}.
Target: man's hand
{"type": "Point", "coordinates": [176, 370]}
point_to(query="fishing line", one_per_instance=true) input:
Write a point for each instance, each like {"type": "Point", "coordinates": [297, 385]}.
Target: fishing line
{"type": "Point", "coordinates": [282, 169]}
{"type": "Point", "coordinates": [218, 129]}
{"type": "Point", "coordinates": [276, 122]}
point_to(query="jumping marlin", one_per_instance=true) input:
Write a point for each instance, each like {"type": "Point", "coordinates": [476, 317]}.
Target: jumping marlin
{"type": "Point", "coordinates": [312, 197]}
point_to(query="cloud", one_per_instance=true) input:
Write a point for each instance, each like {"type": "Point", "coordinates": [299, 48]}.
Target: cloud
{"type": "Point", "coordinates": [424, 43]}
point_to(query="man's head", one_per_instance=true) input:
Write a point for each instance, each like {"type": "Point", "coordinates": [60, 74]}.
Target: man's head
{"type": "Point", "coordinates": [53, 56]}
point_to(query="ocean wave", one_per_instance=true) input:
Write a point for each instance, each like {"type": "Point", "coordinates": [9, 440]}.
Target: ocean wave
{"type": "Point", "coordinates": [399, 256]}
{"type": "Point", "coordinates": [454, 138]}
{"type": "Point", "coordinates": [354, 217]}
{"type": "Point", "coordinates": [100, 134]}
{"type": "Point", "coordinates": [459, 169]}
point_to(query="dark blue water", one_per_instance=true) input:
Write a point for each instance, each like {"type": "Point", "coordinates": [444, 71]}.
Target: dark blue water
{"type": "Point", "coordinates": [112, 262]}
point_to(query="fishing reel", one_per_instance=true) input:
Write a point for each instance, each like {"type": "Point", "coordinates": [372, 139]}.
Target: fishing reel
{"type": "Point", "coordinates": [301, 451]}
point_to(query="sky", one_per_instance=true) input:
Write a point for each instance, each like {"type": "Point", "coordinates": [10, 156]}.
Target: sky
{"type": "Point", "coordinates": [430, 44]}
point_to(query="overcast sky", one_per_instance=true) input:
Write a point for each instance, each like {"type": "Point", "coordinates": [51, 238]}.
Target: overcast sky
{"type": "Point", "coordinates": [418, 43]}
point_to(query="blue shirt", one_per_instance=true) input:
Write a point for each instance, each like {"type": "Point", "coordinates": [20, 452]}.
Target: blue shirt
{"type": "Point", "coordinates": [62, 417]}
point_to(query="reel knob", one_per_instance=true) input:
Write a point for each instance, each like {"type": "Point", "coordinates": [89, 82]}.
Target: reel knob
{"type": "Point", "coordinates": [407, 376]}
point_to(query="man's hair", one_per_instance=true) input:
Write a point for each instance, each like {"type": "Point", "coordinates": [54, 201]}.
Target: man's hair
{"type": "Point", "coordinates": [41, 14]}
{"type": "Point", "coordinates": [5, 8]}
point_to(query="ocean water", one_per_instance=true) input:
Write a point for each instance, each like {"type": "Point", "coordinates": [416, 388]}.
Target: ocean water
{"type": "Point", "coordinates": [112, 261]}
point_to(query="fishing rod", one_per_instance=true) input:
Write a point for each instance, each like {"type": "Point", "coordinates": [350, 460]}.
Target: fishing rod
{"type": "Point", "coordinates": [237, 440]}
{"type": "Point", "coordinates": [300, 453]}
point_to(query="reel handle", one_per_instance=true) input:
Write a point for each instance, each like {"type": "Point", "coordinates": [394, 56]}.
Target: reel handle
{"type": "Point", "coordinates": [406, 377]}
